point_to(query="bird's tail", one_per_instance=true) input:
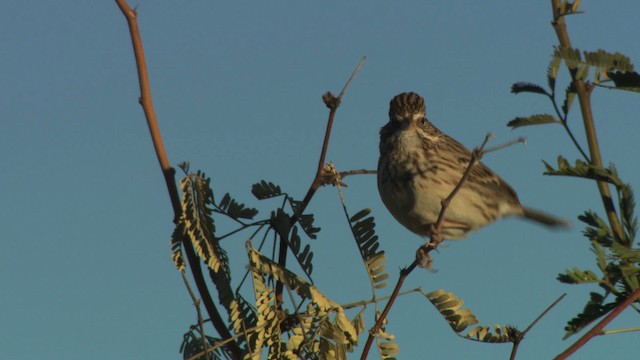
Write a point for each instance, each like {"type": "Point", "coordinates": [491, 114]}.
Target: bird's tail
{"type": "Point", "coordinates": [545, 219]}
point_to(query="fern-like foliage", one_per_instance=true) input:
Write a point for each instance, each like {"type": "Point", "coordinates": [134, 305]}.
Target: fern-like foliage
{"type": "Point", "coordinates": [197, 225]}
{"type": "Point", "coordinates": [570, 95]}
{"type": "Point", "coordinates": [286, 226]}
{"type": "Point", "coordinates": [584, 170]}
{"type": "Point", "coordinates": [176, 248]}
{"type": "Point", "coordinates": [532, 120]}
{"type": "Point", "coordinates": [234, 209]}
{"type": "Point", "coordinates": [192, 345]}
{"type": "Point", "coordinates": [196, 220]}
{"type": "Point", "coordinates": [552, 73]}
{"type": "Point", "coordinates": [267, 330]}
{"type": "Point", "coordinates": [363, 229]}
{"type": "Point", "coordinates": [629, 81]}
{"type": "Point", "coordinates": [528, 87]}
{"type": "Point", "coordinates": [616, 257]}
{"type": "Point", "coordinates": [594, 309]}
{"type": "Point", "coordinates": [281, 222]}
{"type": "Point", "coordinates": [265, 190]}
{"type": "Point", "coordinates": [337, 332]}
{"type": "Point", "coordinates": [577, 276]}
{"type": "Point", "coordinates": [459, 319]}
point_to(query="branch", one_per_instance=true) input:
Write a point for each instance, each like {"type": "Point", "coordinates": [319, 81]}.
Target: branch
{"type": "Point", "coordinates": [332, 103]}
{"type": "Point", "coordinates": [583, 92]}
{"type": "Point", "coordinates": [169, 173]}
{"type": "Point", "coordinates": [518, 340]}
{"type": "Point", "coordinates": [436, 239]}
{"type": "Point", "coordinates": [598, 329]}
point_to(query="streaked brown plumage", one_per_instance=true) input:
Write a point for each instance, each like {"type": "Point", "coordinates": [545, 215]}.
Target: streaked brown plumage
{"type": "Point", "coordinates": [419, 166]}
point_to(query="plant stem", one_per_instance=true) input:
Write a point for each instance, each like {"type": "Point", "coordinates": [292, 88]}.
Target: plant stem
{"type": "Point", "coordinates": [583, 92]}
{"type": "Point", "coordinates": [169, 174]}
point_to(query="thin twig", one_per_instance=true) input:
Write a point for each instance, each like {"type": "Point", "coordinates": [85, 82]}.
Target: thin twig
{"type": "Point", "coordinates": [565, 125]}
{"type": "Point", "coordinates": [344, 174]}
{"type": "Point", "coordinates": [353, 75]}
{"type": "Point", "coordinates": [367, 302]}
{"type": "Point", "coordinates": [196, 303]}
{"type": "Point", "coordinates": [520, 140]}
{"type": "Point", "coordinates": [435, 240]}
{"type": "Point", "coordinates": [169, 173]}
{"type": "Point", "coordinates": [332, 103]}
{"type": "Point", "coordinates": [220, 344]}
{"type": "Point", "coordinates": [518, 340]}
{"type": "Point", "coordinates": [597, 330]}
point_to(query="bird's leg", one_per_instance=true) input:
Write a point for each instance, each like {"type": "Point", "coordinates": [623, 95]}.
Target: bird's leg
{"type": "Point", "coordinates": [422, 254]}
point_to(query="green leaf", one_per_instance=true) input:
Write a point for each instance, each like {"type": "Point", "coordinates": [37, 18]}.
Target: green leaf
{"type": "Point", "coordinates": [577, 276]}
{"type": "Point", "coordinates": [264, 265]}
{"type": "Point", "coordinates": [281, 223]}
{"type": "Point", "coordinates": [552, 72]}
{"type": "Point", "coordinates": [363, 230]}
{"type": "Point", "coordinates": [598, 229]}
{"type": "Point", "coordinates": [532, 120]}
{"type": "Point", "coordinates": [176, 248]}
{"type": "Point", "coordinates": [234, 209]}
{"type": "Point", "coordinates": [629, 81]}
{"type": "Point", "coordinates": [570, 95]}
{"type": "Point", "coordinates": [584, 170]}
{"type": "Point", "coordinates": [570, 56]}
{"type": "Point", "coordinates": [265, 190]}
{"type": "Point", "coordinates": [594, 309]}
{"type": "Point", "coordinates": [528, 87]}
{"type": "Point", "coordinates": [627, 207]}
{"type": "Point", "coordinates": [306, 222]}
{"type": "Point", "coordinates": [608, 61]}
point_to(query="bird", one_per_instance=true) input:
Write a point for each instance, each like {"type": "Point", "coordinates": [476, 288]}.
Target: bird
{"type": "Point", "coordinates": [419, 166]}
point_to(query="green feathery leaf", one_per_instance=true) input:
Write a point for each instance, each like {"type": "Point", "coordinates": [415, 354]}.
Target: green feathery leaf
{"type": "Point", "coordinates": [598, 229]}
{"type": "Point", "coordinates": [570, 95]}
{"type": "Point", "coordinates": [176, 248]}
{"type": "Point", "coordinates": [552, 72]}
{"type": "Point", "coordinates": [529, 88]}
{"type": "Point", "coordinates": [532, 120]}
{"type": "Point", "coordinates": [265, 190]}
{"type": "Point", "coordinates": [577, 276]}
{"type": "Point", "coordinates": [570, 56]}
{"type": "Point", "coordinates": [594, 309]}
{"type": "Point", "coordinates": [627, 205]}
{"type": "Point", "coordinates": [459, 319]}
{"type": "Point", "coordinates": [306, 222]}
{"type": "Point", "coordinates": [584, 170]}
{"type": "Point", "coordinates": [629, 81]}
{"type": "Point", "coordinates": [607, 61]}
{"type": "Point", "coordinates": [341, 325]}
{"type": "Point", "coordinates": [234, 209]}
{"type": "Point", "coordinates": [363, 229]}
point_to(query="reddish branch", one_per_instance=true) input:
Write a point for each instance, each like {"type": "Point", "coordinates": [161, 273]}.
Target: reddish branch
{"type": "Point", "coordinates": [169, 175]}
{"type": "Point", "coordinates": [332, 103]}
{"type": "Point", "coordinates": [598, 329]}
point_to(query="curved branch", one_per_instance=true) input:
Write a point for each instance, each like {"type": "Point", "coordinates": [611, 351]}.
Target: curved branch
{"type": "Point", "coordinates": [169, 173]}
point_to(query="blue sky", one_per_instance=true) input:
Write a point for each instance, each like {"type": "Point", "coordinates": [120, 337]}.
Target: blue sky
{"type": "Point", "coordinates": [85, 266]}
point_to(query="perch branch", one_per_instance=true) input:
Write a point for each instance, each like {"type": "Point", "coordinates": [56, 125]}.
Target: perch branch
{"type": "Point", "coordinates": [436, 239]}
